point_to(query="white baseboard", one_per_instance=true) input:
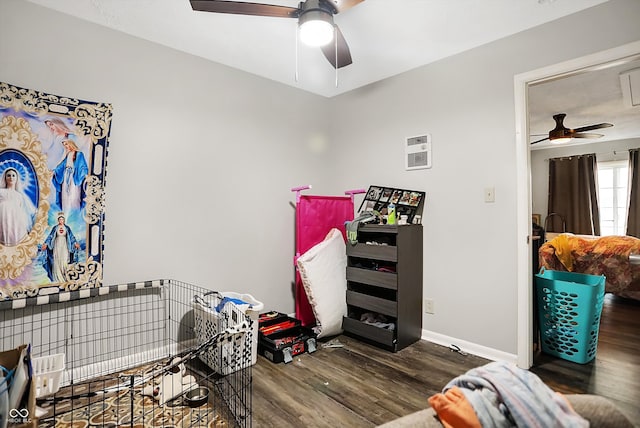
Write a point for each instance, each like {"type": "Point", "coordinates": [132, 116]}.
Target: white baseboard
{"type": "Point", "coordinates": [469, 347]}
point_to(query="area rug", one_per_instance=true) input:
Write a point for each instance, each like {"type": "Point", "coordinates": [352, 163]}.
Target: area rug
{"type": "Point", "coordinates": [130, 409]}
{"type": "Point", "coordinates": [143, 412]}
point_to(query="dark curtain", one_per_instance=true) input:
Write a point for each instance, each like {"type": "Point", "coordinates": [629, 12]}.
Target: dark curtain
{"type": "Point", "coordinates": [573, 190]}
{"type": "Point", "coordinates": [633, 216]}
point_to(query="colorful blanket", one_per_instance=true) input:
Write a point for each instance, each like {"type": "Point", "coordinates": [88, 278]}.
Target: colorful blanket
{"type": "Point", "coordinates": [606, 255]}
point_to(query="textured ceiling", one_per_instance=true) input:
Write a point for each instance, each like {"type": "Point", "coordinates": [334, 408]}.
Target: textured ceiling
{"type": "Point", "coordinates": [587, 98]}
{"type": "Point", "coordinates": [386, 37]}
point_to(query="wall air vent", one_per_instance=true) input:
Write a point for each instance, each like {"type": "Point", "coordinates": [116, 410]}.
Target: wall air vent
{"type": "Point", "coordinates": [417, 152]}
{"type": "Point", "coordinates": [630, 85]}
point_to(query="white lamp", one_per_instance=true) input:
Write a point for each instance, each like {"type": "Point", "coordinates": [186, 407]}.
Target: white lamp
{"type": "Point", "coordinates": [316, 27]}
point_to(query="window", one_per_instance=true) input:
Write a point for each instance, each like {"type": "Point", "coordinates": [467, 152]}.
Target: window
{"type": "Point", "coordinates": [612, 197]}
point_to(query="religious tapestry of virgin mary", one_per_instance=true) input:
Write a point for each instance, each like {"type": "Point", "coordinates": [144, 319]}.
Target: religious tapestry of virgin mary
{"type": "Point", "coordinates": [53, 158]}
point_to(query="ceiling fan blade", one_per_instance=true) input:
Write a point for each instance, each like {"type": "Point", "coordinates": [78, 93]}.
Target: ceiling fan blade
{"type": "Point", "coordinates": [592, 127]}
{"type": "Point", "coordinates": [244, 8]}
{"type": "Point", "coordinates": [344, 55]}
{"type": "Point", "coordinates": [586, 135]}
{"type": "Point", "coordinates": [540, 141]}
{"type": "Point", "coordinates": [342, 5]}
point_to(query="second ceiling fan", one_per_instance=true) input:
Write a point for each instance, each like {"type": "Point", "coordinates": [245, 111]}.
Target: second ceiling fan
{"type": "Point", "coordinates": [561, 133]}
{"type": "Point", "coordinates": [311, 15]}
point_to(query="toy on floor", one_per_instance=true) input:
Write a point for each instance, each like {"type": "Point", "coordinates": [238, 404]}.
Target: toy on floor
{"type": "Point", "coordinates": [171, 385]}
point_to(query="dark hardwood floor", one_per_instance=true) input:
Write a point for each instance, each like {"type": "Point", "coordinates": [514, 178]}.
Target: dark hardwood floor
{"type": "Point", "coordinates": [354, 386]}
{"type": "Point", "coordinates": [359, 385]}
{"type": "Point", "coordinates": [615, 372]}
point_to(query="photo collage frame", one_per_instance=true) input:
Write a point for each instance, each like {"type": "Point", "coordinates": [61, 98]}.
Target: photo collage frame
{"type": "Point", "coordinates": [407, 202]}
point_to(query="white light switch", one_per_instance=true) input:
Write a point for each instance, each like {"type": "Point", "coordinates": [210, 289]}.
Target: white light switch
{"type": "Point", "coordinates": [490, 194]}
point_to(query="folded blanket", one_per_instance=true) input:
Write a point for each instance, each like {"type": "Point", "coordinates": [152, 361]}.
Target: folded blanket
{"type": "Point", "coordinates": [504, 395]}
{"type": "Point", "coordinates": [562, 244]}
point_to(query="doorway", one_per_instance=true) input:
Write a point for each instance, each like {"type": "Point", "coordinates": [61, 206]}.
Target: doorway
{"type": "Point", "coordinates": [621, 54]}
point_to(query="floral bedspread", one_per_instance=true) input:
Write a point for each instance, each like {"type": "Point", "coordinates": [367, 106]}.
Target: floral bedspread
{"type": "Point", "coordinates": [606, 255]}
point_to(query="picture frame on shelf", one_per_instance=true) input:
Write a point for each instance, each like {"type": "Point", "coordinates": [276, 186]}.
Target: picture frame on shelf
{"type": "Point", "coordinates": [407, 202]}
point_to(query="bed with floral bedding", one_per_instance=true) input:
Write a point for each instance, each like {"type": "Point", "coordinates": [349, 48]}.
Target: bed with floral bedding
{"type": "Point", "coordinates": [610, 256]}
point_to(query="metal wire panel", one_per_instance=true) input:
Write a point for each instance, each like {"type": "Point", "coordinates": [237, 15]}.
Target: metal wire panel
{"type": "Point", "coordinates": [114, 338]}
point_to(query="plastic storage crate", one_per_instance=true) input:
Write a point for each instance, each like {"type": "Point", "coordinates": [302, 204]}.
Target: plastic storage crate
{"type": "Point", "coordinates": [208, 320]}
{"type": "Point", "coordinates": [48, 372]}
{"type": "Point", "coordinates": [569, 308]}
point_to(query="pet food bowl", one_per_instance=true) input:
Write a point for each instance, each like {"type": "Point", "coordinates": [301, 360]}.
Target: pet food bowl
{"type": "Point", "coordinates": [196, 397]}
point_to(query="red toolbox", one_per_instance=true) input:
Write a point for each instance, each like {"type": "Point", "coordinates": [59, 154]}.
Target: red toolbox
{"type": "Point", "coordinates": [282, 337]}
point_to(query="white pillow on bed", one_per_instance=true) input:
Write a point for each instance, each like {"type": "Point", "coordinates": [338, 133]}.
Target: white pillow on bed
{"type": "Point", "coordinates": [323, 273]}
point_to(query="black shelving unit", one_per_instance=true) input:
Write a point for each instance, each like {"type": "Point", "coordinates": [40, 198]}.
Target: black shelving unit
{"type": "Point", "coordinates": [384, 276]}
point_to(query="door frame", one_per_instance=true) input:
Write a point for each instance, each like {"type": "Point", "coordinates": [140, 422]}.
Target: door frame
{"type": "Point", "coordinates": [603, 59]}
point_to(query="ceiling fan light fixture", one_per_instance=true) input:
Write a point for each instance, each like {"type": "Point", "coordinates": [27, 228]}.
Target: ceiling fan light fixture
{"type": "Point", "coordinates": [560, 134]}
{"type": "Point", "coordinates": [316, 27]}
{"type": "Point", "coordinates": [560, 140]}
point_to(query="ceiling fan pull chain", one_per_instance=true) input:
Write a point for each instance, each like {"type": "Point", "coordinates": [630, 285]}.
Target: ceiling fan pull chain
{"type": "Point", "coordinates": [335, 46]}
{"type": "Point", "coordinates": [297, 35]}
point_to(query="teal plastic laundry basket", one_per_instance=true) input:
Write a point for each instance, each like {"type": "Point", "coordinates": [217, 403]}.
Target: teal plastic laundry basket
{"type": "Point", "coordinates": [569, 308]}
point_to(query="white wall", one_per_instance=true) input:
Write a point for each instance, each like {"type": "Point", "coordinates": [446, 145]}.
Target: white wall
{"type": "Point", "coordinates": [189, 136]}
{"type": "Point", "coordinates": [201, 156]}
{"type": "Point", "coordinates": [467, 103]}
{"type": "Point", "coordinates": [605, 151]}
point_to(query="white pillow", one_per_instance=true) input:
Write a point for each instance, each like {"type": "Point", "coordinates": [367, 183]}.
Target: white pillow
{"type": "Point", "coordinates": [324, 277]}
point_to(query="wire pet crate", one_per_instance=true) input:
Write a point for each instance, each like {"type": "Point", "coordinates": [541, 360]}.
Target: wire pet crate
{"type": "Point", "coordinates": [126, 356]}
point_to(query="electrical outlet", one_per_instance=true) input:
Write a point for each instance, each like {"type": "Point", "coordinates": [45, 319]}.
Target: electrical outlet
{"type": "Point", "coordinates": [429, 306]}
